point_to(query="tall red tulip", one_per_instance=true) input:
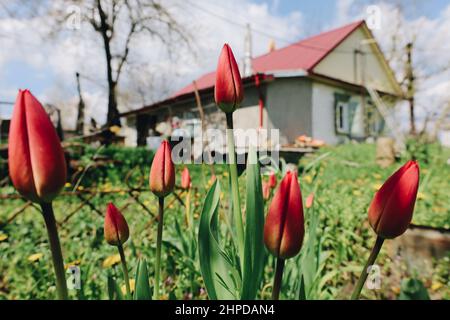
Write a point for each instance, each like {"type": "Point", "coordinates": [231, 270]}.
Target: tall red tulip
{"type": "Point", "coordinates": [36, 159]}
{"type": "Point", "coordinates": [390, 212]}
{"type": "Point", "coordinates": [284, 227]}
{"type": "Point", "coordinates": [185, 179]}
{"type": "Point", "coordinates": [162, 182]}
{"type": "Point", "coordinates": [392, 207]}
{"type": "Point", "coordinates": [272, 180]}
{"type": "Point", "coordinates": [116, 227]}
{"type": "Point", "coordinates": [162, 172]}
{"type": "Point", "coordinates": [228, 91]}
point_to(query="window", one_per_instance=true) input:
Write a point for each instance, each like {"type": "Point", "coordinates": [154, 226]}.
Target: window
{"type": "Point", "coordinates": [342, 117]}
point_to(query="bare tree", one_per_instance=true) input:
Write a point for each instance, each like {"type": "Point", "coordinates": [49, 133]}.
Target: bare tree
{"type": "Point", "coordinates": [118, 22]}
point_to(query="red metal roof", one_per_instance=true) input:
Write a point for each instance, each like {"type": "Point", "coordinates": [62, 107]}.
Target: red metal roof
{"type": "Point", "coordinates": [305, 55]}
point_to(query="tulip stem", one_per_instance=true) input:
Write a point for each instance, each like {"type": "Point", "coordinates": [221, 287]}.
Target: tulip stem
{"type": "Point", "coordinates": [158, 247]}
{"type": "Point", "coordinates": [55, 247]}
{"type": "Point", "coordinates": [125, 270]}
{"type": "Point", "coordinates": [362, 278]}
{"type": "Point", "coordinates": [235, 186]}
{"type": "Point", "coordinates": [188, 208]}
{"type": "Point", "coordinates": [277, 279]}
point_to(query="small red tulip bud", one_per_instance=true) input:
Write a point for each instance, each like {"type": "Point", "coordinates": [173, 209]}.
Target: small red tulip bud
{"type": "Point", "coordinates": [392, 207]}
{"type": "Point", "coordinates": [272, 180]}
{"type": "Point", "coordinates": [266, 190]}
{"type": "Point", "coordinates": [162, 172]}
{"type": "Point", "coordinates": [35, 157]}
{"type": "Point", "coordinates": [185, 179]}
{"type": "Point", "coordinates": [116, 227]}
{"type": "Point", "coordinates": [228, 91]}
{"type": "Point", "coordinates": [309, 200]}
{"type": "Point", "coordinates": [284, 227]}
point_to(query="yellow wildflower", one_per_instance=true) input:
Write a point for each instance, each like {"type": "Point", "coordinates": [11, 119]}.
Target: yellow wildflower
{"type": "Point", "coordinates": [396, 290]}
{"type": "Point", "coordinates": [114, 129]}
{"type": "Point", "coordinates": [307, 178]}
{"type": "Point", "coordinates": [73, 263]}
{"type": "Point", "coordinates": [132, 286]}
{"type": "Point", "coordinates": [67, 185]}
{"type": "Point", "coordinates": [3, 237]}
{"type": "Point", "coordinates": [377, 186]}
{"type": "Point", "coordinates": [111, 261]}
{"type": "Point", "coordinates": [421, 196]}
{"type": "Point", "coordinates": [35, 257]}
{"type": "Point", "coordinates": [436, 286]}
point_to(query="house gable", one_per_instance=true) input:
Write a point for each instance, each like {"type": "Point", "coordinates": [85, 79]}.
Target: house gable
{"type": "Point", "coordinates": [368, 67]}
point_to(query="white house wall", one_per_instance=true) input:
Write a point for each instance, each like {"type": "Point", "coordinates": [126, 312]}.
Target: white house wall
{"type": "Point", "coordinates": [323, 113]}
{"type": "Point", "coordinates": [340, 64]}
{"type": "Point", "coordinates": [129, 132]}
{"type": "Point", "coordinates": [288, 105]}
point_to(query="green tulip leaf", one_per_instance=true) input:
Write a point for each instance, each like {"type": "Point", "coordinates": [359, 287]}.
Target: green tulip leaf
{"type": "Point", "coordinates": [142, 289]}
{"type": "Point", "coordinates": [254, 243]}
{"type": "Point", "coordinates": [216, 269]}
{"type": "Point", "coordinates": [114, 292]}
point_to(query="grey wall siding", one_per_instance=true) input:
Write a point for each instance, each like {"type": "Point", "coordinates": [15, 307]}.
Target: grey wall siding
{"type": "Point", "coordinates": [288, 105]}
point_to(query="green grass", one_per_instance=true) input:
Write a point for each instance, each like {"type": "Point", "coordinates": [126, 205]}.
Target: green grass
{"type": "Point", "coordinates": [344, 182]}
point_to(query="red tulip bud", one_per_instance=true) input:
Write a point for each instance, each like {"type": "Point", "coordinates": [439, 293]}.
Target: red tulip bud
{"type": "Point", "coordinates": [272, 180]}
{"type": "Point", "coordinates": [162, 172]}
{"type": "Point", "coordinates": [116, 227]}
{"type": "Point", "coordinates": [185, 179]}
{"type": "Point", "coordinates": [309, 200]}
{"type": "Point", "coordinates": [36, 159]}
{"type": "Point", "coordinates": [284, 227]}
{"type": "Point", "coordinates": [266, 190]}
{"type": "Point", "coordinates": [228, 91]}
{"type": "Point", "coordinates": [392, 206]}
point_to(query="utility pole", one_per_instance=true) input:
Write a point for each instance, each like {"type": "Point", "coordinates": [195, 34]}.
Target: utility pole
{"type": "Point", "coordinates": [410, 87]}
{"type": "Point", "coordinates": [80, 118]}
{"type": "Point", "coordinates": [247, 68]}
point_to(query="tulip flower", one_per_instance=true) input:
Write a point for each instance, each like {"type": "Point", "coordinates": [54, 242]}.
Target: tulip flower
{"type": "Point", "coordinates": [162, 172]}
{"type": "Point", "coordinates": [116, 227]}
{"type": "Point", "coordinates": [38, 169]}
{"type": "Point", "coordinates": [284, 227]}
{"type": "Point", "coordinates": [36, 159]}
{"type": "Point", "coordinates": [391, 211]}
{"type": "Point", "coordinates": [185, 179]}
{"type": "Point", "coordinates": [228, 90]}
{"type": "Point", "coordinates": [266, 190]}
{"type": "Point", "coordinates": [392, 207]}
{"type": "Point", "coordinates": [116, 234]}
{"type": "Point", "coordinates": [309, 200]}
{"type": "Point", "coordinates": [272, 180]}
{"type": "Point", "coordinates": [186, 185]}
{"type": "Point", "coordinates": [162, 182]}
{"type": "Point", "coordinates": [228, 93]}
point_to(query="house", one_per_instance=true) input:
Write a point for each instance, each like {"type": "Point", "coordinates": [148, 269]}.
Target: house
{"type": "Point", "coordinates": [322, 87]}
{"type": "Point", "coordinates": [5, 119]}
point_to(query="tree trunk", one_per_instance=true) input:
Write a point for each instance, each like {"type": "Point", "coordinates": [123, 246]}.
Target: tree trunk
{"type": "Point", "coordinates": [113, 113]}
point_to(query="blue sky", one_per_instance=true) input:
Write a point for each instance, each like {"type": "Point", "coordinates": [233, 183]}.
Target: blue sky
{"type": "Point", "coordinates": [324, 10]}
